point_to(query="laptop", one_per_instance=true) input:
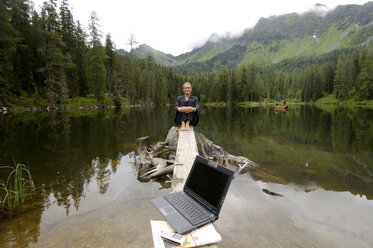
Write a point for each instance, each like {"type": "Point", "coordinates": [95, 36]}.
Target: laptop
{"type": "Point", "coordinates": [200, 200]}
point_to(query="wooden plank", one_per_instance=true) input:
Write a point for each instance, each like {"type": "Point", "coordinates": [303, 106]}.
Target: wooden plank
{"type": "Point", "coordinates": [186, 152]}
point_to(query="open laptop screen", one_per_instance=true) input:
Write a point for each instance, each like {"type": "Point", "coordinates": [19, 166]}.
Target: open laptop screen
{"type": "Point", "coordinates": [207, 182]}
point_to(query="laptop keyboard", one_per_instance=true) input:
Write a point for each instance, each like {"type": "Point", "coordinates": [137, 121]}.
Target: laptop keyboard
{"type": "Point", "coordinates": [193, 212]}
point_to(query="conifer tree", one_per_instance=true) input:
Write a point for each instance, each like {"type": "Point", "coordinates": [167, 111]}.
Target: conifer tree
{"type": "Point", "coordinates": [22, 68]}
{"type": "Point", "coordinates": [230, 86]}
{"type": "Point", "coordinates": [327, 72]}
{"type": "Point", "coordinates": [96, 66]}
{"type": "Point", "coordinates": [7, 52]}
{"type": "Point", "coordinates": [109, 52]}
{"type": "Point", "coordinates": [54, 60]}
{"type": "Point", "coordinates": [343, 77]}
{"type": "Point", "coordinates": [69, 48]}
{"type": "Point", "coordinates": [365, 79]}
{"type": "Point", "coordinates": [251, 88]}
{"type": "Point", "coordinates": [81, 53]}
{"type": "Point", "coordinates": [242, 83]}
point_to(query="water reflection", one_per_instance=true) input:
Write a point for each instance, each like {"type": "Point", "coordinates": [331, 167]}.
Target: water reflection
{"type": "Point", "coordinates": [110, 184]}
{"type": "Point", "coordinates": [90, 192]}
{"type": "Point", "coordinates": [299, 219]}
{"type": "Point", "coordinates": [332, 146]}
{"type": "Point", "coordinates": [68, 152]}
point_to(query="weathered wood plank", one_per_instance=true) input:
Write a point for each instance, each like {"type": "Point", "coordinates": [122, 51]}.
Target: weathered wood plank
{"type": "Point", "coordinates": [186, 152]}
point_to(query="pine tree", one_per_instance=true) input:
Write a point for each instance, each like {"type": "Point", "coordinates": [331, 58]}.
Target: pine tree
{"type": "Point", "coordinates": [22, 68]}
{"type": "Point", "coordinates": [343, 77]}
{"type": "Point", "coordinates": [54, 60]}
{"type": "Point", "coordinates": [328, 74]}
{"type": "Point", "coordinates": [36, 58]}
{"type": "Point", "coordinates": [7, 52]}
{"type": "Point", "coordinates": [230, 86]}
{"type": "Point", "coordinates": [365, 78]}
{"type": "Point", "coordinates": [252, 82]}
{"type": "Point", "coordinates": [109, 52]}
{"type": "Point", "coordinates": [221, 87]}
{"type": "Point", "coordinates": [242, 83]}
{"type": "Point", "coordinates": [150, 80]}
{"type": "Point", "coordinates": [69, 48]}
{"type": "Point", "coordinates": [96, 65]}
{"type": "Point", "coordinates": [81, 53]}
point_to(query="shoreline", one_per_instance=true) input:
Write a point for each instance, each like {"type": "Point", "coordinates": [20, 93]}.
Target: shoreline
{"type": "Point", "coordinates": [20, 109]}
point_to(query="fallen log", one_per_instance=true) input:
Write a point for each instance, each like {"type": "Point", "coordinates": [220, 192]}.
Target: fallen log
{"type": "Point", "coordinates": [158, 160]}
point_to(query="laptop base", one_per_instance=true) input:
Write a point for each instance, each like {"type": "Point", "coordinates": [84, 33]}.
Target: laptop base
{"type": "Point", "coordinates": [173, 217]}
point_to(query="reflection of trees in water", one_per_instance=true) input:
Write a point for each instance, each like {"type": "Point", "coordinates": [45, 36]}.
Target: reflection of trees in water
{"type": "Point", "coordinates": [68, 150]}
{"type": "Point", "coordinates": [342, 129]}
{"type": "Point", "coordinates": [103, 173]}
{"type": "Point", "coordinates": [62, 150]}
{"type": "Point", "coordinates": [336, 143]}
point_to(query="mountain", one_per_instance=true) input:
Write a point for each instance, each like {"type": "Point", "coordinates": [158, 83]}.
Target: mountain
{"type": "Point", "coordinates": [277, 38]}
{"type": "Point", "coordinates": [144, 51]}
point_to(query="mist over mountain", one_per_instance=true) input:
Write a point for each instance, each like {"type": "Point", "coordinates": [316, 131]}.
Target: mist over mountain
{"type": "Point", "coordinates": [277, 38]}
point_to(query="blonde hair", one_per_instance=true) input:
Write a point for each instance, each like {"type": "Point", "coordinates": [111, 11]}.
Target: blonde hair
{"type": "Point", "coordinates": [186, 84]}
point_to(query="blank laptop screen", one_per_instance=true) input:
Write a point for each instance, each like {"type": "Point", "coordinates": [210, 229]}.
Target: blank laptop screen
{"type": "Point", "coordinates": [208, 183]}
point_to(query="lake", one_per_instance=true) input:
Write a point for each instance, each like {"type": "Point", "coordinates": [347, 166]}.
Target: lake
{"type": "Point", "coordinates": [319, 158]}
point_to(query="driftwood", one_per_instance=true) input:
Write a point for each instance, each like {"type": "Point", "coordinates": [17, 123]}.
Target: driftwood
{"type": "Point", "coordinates": [158, 160]}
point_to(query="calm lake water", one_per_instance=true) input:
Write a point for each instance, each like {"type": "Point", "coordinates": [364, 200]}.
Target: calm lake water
{"type": "Point", "coordinates": [320, 158]}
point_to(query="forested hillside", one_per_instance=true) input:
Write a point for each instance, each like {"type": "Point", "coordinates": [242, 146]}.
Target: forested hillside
{"type": "Point", "coordinates": [342, 75]}
{"type": "Point", "coordinates": [48, 58]}
{"type": "Point", "coordinates": [300, 57]}
{"type": "Point", "coordinates": [279, 38]}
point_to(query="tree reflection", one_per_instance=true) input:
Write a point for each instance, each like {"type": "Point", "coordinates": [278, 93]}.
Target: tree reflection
{"type": "Point", "coordinates": [331, 146]}
{"type": "Point", "coordinates": [66, 151]}
{"type": "Point", "coordinates": [74, 148]}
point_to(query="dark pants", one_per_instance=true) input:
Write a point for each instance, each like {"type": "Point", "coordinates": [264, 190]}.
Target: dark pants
{"type": "Point", "coordinates": [192, 117]}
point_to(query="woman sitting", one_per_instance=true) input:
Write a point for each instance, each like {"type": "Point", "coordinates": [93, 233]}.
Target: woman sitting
{"type": "Point", "coordinates": [187, 107]}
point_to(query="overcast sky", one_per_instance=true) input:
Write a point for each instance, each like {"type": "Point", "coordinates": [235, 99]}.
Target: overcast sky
{"type": "Point", "coordinates": [177, 26]}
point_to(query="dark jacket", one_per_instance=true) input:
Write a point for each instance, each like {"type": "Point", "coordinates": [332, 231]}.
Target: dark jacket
{"type": "Point", "coordinates": [193, 116]}
{"type": "Point", "coordinates": [192, 102]}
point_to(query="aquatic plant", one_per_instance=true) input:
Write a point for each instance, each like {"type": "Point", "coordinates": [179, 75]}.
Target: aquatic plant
{"type": "Point", "coordinates": [16, 188]}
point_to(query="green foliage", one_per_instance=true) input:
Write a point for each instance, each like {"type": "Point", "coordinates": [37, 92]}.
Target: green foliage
{"type": "Point", "coordinates": [14, 190]}
{"type": "Point", "coordinates": [117, 101]}
{"type": "Point", "coordinates": [279, 38]}
{"type": "Point", "coordinates": [348, 77]}
{"type": "Point", "coordinates": [290, 56]}
{"type": "Point", "coordinates": [57, 62]}
{"type": "Point", "coordinates": [8, 41]}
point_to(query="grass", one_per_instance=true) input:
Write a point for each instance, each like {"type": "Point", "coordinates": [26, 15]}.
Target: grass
{"type": "Point", "coordinates": [249, 103]}
{"type": "Point", "coordinates": [16, 188]}
{"type": "Point", "coordinates": [91, 101]}
{"type": "Point", "coordinates": [330, 99]}
{"type": "Point", "coordinates": [29, 101]}
{"type": "Point", "coordinates": [34, 101]}
{"type": "Point", "coordinates": [216, 104]}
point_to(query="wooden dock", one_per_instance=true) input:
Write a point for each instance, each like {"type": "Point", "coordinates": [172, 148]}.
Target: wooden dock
{"type": "Point", "coordinates": [186, 152]}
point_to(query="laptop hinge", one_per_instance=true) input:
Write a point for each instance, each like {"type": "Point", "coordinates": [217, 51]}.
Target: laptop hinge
{"type": "Point", "coordinates": [196, 197]}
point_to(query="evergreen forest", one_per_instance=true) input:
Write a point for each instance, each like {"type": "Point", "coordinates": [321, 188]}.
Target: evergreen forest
{"type": "Point", "coordinates": [47, 58]}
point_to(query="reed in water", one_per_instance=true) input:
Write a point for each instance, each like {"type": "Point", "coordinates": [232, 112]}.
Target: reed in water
{"type": "Point", "coordinates": [18, 185]}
